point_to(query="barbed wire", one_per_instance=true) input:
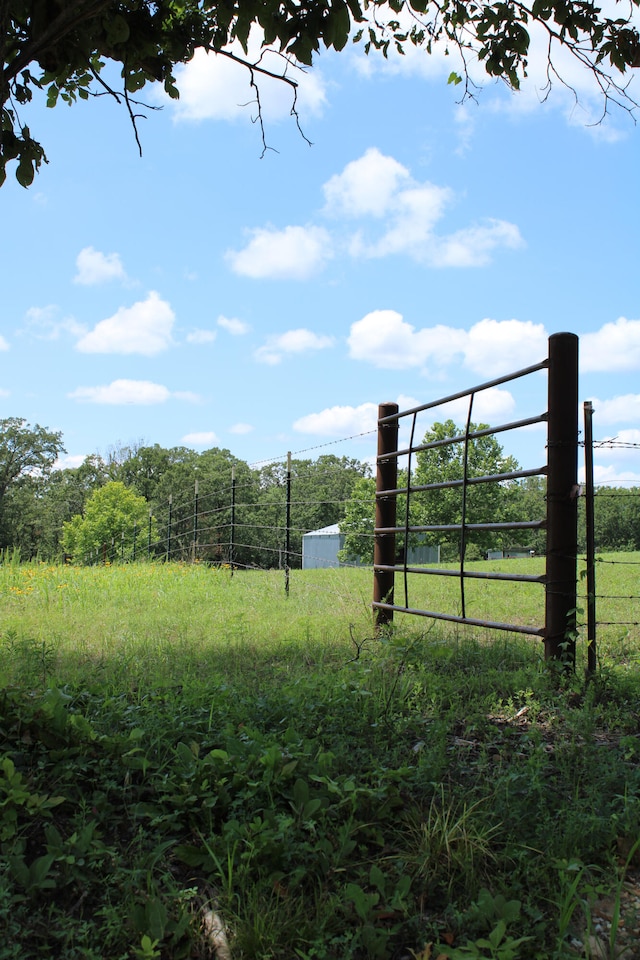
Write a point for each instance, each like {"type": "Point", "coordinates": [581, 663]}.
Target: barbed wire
{"type": "Point", "coordinates": [618, 444]}
{"type": "Point", "coordinates": [319, 446]}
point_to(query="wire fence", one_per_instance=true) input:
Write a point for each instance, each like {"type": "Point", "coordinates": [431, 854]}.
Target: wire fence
{"type": "Point", "coordinates": [232, 528]}
{"type": "Point", "coordinates": [260, 520]}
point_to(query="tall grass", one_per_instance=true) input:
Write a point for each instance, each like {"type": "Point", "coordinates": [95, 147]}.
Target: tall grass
{"type": "Point", "coordinates": [178, 739]}
{"type": "Point", "coordinates": [159, 618]}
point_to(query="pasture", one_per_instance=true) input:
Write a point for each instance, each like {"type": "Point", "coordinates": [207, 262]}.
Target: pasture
{"type": "Point", "coordinates": [194, 762]}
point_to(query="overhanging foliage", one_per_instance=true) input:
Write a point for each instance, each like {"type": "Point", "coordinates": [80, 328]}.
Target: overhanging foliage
{"type": "Point", "coordinates": [63, 46]}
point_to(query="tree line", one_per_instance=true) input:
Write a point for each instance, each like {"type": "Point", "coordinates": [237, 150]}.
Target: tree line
{"type": "Point", "coordinates": [176, 502]}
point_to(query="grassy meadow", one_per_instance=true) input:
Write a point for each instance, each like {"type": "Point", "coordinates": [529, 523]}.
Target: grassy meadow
{"type": "Point", "coordinates": [194, 764]}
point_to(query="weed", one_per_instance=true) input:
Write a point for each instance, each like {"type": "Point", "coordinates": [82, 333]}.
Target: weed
{"type": "Point", "coordinates": [450, 844]}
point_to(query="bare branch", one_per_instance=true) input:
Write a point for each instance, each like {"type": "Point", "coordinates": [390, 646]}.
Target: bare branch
{"type": "Point", "coordinates": [256, 67]}
{"type": "Point", "coordinates": [119, 97]}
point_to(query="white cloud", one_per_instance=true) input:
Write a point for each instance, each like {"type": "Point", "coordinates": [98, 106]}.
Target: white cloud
{"type": "Point", "coordinates": [4, 393]}
{"type": "Point", "coordinates": [241, 429]}
{"type": "Point", "coordinates": [294, 253]}
{"type": "Point", "coordinates": [138, 392]}
{"type": "Point", "coordinates": [615, 347]}
{"type": "Point", "coordinates": [142, 328]}
{"type": "Point", "coordinates": [366, 187]}
{"type": "Point", "coordinates": [412, 218]}
{"type": "Point", "coordinates": [495, 347]}
{"type": "Point", "coordinates": [473, 246]}
{"type": "Point", "coordinates": [3, 343]}
{"type": "Point", "coordinates": [232, 325]}
{"type": "Point", "coordinates": [293, 341]}
{"type": "Point", "coordinates": [623, 409]}
{"type": "Point", "coordinates": [399, 217]}
{"type": "Point", "coordinates": [492, 347]}
{"type": "Point", "coordinates": [625, 443]}
{"type": "Point", "coordinates": [214, 87]}
{"type": "Point", "coordinates": [489, 406]}
{"type": "Point", "coordinates": [43, 323]}
{"type": "Point", "coordinates": [95, 267]}
{"type": "Point", "coordinates": [70, 462]}
{"type": "Point", "coordinates": [203, 439]}
{"type": "Point", "coordinates": [201, 336]}
{"type": "Point", "coordinates": [612, 476]}
{"type": "Point", "coordinates": [379, 187]}
{"type": "Point", "coordinates": [339, 421]}
{"type": "Point", "coordinates": [385, 340]}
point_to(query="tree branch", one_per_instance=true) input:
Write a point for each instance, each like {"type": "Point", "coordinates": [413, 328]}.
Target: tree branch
{"type": "Point", "coordinates": [71, 15]}
{"type": "Point", "coordinates": [256, 67]}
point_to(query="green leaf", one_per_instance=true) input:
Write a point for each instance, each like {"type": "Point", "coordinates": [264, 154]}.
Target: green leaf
{"type": "Point", "coordinates": [52, 95]}
{"type": "Point", "coordinates": [300, 792]}
{"type": "Point", "coordinates": [454, 78]}
{"type": "Point", "coordinates": [310, 808]}
{"type": "Point", "coordinates": [376, 878]}
{"type": "Point", "coordinates": [25, 172]}
{"type": "Point", "coordinates": [342, 24]}
{"type": "Point", "coordinates": [117, 29]}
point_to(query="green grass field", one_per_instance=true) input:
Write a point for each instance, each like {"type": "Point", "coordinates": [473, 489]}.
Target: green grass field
{"type": "Point", "coordinates": [183, 749]}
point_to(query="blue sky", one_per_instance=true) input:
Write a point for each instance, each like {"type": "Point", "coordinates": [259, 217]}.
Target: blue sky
{"type": "Point", "coordinates": [207, 295]}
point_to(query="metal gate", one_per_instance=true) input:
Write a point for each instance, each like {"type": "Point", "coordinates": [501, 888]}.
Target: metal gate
{"type": "Point", "coordinates": [560, 521]}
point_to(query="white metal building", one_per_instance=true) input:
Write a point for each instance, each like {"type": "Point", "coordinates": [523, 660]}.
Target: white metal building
{"type": "Point", "coordinates": [320, 549]}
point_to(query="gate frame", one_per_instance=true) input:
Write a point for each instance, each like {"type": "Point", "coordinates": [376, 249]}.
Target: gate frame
{"type": "Point", "coordinates": [561, 521]}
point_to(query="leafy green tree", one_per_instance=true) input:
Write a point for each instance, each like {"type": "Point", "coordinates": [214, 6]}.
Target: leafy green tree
{"type": "Point", "coordinates": [320, 491]}
{"type": "Point", "coordinates": [63, 46]}
{"type": "Point", "coordinates": [144, 467]}
{"type": "Point", "coordinates": [617, 518]}
{"type": "Point", "coordinates": [212, 470]}
{"type": "Point", "coordinates": [527, 500]}
{"type": "Point", "coordinates": [113, 515]}
{"type": "Point", "coordinates": [36, 509]}
{"type": "Point", "coordinates": [63, 495]}
{"type": "Point", "coordinates": [485, 503]}
{"type": "Point", "coordinates": [27, 455]}
{"type": "Point", "coordinates": [358, 523]}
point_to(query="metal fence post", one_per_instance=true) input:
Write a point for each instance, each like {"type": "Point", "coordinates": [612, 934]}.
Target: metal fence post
{"type": "Point", "coordinates": [287, 542]}
{"type": "Point", "coordinates": [195, 523]}
{"type": "Point", "coordinates": [590, 537]}
{"type": "Point", "coordinates": [384, 545]}
{"type": "Point", "coordinates": [233, 519]}
{"type": "Point", "coordinates": [562, 499]}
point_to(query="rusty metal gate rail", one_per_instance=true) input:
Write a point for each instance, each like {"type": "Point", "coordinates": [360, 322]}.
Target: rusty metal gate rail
{"type": "Point", "coordinates": [560, 470]}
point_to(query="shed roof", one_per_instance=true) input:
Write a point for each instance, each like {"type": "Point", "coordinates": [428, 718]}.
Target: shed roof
{"type": "Point", "coordinates": [329, 531]}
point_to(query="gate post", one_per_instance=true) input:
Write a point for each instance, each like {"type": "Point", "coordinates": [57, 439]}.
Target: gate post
{"type": "Point", "coordinates": [562, 499]}
{"type": "Point", "coordinates": [384, 545]}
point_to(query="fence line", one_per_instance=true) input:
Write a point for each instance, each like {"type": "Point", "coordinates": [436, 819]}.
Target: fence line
{"type": "Point", "coordinates": [203, 527]}
{"type": "Point", "coordinates": [275, 555]}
